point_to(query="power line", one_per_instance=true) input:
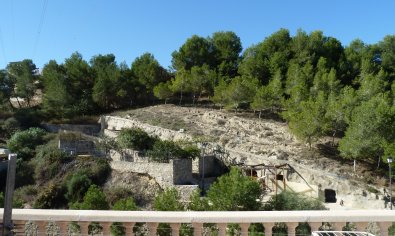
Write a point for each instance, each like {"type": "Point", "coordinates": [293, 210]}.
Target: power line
{"type": "Point", "coordinates": [40, 25]}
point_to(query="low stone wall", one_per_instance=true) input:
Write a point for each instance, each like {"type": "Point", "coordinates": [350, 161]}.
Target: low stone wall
{"type": "Point", "coordinates": [85, 129]}
{"type": "Point", "coordinates": [161, 172]}
{"type": "Point", "coordinates": [167, 175]}
{"type": "Point", "coordinates": [127, 155]}
{"type": "Point", "coordinates": [77, 146]}
{"type": "Point", "coordinates": [109, 124]}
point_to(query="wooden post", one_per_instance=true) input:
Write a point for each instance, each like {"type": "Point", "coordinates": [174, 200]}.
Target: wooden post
{"type": "Point", "coordinates": [9, 192]}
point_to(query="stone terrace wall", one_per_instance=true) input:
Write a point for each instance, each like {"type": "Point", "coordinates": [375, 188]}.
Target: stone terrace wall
{"type": "Point", "coordinates": [161, 172]}
{"type": "Point", "coordinates": [85, 129]}
{"type": "Point", "coordinates": [112, 123]}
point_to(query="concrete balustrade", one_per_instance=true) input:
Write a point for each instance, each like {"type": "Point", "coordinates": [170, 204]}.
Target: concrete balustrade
{"type": "Point", "coordinates": [63, 218]}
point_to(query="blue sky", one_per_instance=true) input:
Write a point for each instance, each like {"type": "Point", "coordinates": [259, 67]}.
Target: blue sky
{"type": "Point", "coordinates": [128, 28]}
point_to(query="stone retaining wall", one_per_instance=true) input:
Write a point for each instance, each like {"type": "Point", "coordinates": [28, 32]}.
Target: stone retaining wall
{"type": "Point", "coordinates": [85, 129]}
{"type": "Point", "coordinates": [109, 124]}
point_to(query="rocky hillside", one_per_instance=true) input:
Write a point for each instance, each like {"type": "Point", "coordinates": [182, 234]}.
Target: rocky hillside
{"type": "Point", "coordinates": [251, 140]}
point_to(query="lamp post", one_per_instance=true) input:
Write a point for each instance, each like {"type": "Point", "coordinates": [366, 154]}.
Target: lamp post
{"type": "Point", "coordinates": [7, 216]}
{"type": "Point", "coordinates": [389, 160]}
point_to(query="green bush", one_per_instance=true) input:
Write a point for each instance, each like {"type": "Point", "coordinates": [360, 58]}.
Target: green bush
{"type": "Point", "coordinates": [94, 199]}
{"type": "Point", "coordinates": [164, 151]}
{"type": "Point", "coordinates": [116, 193]}
{"type": "Point", "coordinates": [10, 126]}
{"type": "Point", "coordinates": [126, 204]}
{"type": "Point", "coordinates": [48, 162]}
{"type": "Point", "coordinates": [135, 138]}
{"type": "Point", "coordinates": [290, 201]}
{"type": "Point", "coordinates": [24, 142]}
{"type": "Point", "coordinates": [235, 192]}
{"type": "Point", "coordinates": [25, 194]}
{"type": "Point", "coordinates": [28, 117]}
{"type": "Point", "coordinates": [77, 186]}
{"type": "Point", "coordinates": [52, 196]}
{"type": "Point", "coordinates": [169, 200]}
{"type": "Point", "coordinates": [99, 170]}
{"type": "Point", "coordinates": [24, 173]}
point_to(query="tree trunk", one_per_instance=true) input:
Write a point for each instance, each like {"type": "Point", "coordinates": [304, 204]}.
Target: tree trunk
{"type": "Point", "coordinates": [180, 99]}
{"type": "Point", "coordinates": [11, 106]}
{"type": "Point", "coordinates": [333, 138]}
{"type": "Point", "coordinates": [165, 101]}
{"type": "Point", "coordinates": [19, 104]}
{"type": "Point", "coordinates": [378, 163]}
{"type": "Point", "coordinates": [260, 112]}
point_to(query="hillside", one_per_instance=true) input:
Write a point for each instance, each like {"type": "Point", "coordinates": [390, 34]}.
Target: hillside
{"type": "Point", "coordinates": [252, 141]}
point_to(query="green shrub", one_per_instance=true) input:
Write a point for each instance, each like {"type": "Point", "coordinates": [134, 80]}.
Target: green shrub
{"type": "Point", "coordinates": [290, 201]}
{"type": "Point", "coordinates": [135, 138]}
{"type": "Point", "coordinates": [24, 173]}
{"type": "Point", "coordinates": [10, 126]}
{"type": "Point", "coordinates": [235, 192]}
{"type": "Point", "coordinates": [94, 199]}
{"type": "Point", "coordinates": [25, 194]}
{"type": "Point", "coordinates": [114, 194]}
{"type": "Point", "coordinates": [164, 151]}
{"type": "Point", "coordinates": [169, 200]}
{"type": "Point", "coordinates": [126, 204]}
{"type": "Point", "coordinates": [52, 196]}
{"type": "Point", "coordinates": [28, 117]}
{"type": "Point", "coordinates": [24, 142]}
{"type": "Point", "coordinates": [77, 186]}
{"type": "Point", "coordinates": [372, 189]}
{"type": "Point", "coordinates": [99, 170]}
{"type": "Point", "coordinates": [48, 162]}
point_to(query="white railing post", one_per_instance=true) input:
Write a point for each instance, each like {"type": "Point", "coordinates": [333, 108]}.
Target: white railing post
{"type": "Point", "coordinates": [129, 228]}
{"type": "Point", "coordinates": [84, 227]}
{"type": "Point", "coordinates": [315, 226]}
{"type": "Point", "coordinates": [268, 228]}
{"type": "Point", "coordinates": [292, 228]}
{"type": "Point", "coordinates": [222, 229]}
{"type": "Point", "coordinates": [338, 226]}
{"type": "Point", "coordinates": [244, 228]}
{"type": "Point", "coordinates": [361, 226]}
{"type": "Point", "coordinates": [63, 227]}
{"type": "Point", "coordinates": [384, 228]}
{"type": "Point", "coordinates": [41, 227]}
{"type": "Point", "coordinates": [197, 229]}
{"type": "Point", "coordinates": [106, 227]}
{"type": "Point", "coordinates": [175, 229]}
{"type": "Point", "coordinates": [152, 226]}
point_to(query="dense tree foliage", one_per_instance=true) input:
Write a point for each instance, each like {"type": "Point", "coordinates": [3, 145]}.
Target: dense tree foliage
{"type": "Point", "coordinates": [317, 85]}
{"type": "Point", "coordinates": [235, 192]}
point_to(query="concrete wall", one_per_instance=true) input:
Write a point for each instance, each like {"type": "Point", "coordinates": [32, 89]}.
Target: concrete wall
{"type": "Point", "coordinates": [86, 129]}
{"type": "Point", "coordinates": [78, 147]}
{"type": "Point", "coordinates": [182, 171]}
{"type": "Point", "coordinates": [212, 167]}
{"type": "Point", "coordinates": [177, 172]}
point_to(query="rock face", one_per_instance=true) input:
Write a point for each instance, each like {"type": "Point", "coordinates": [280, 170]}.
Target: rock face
{"type": "Point", "coordinates": [251, 141]}
{"type": "Point", "coordinates": [144, 187]}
